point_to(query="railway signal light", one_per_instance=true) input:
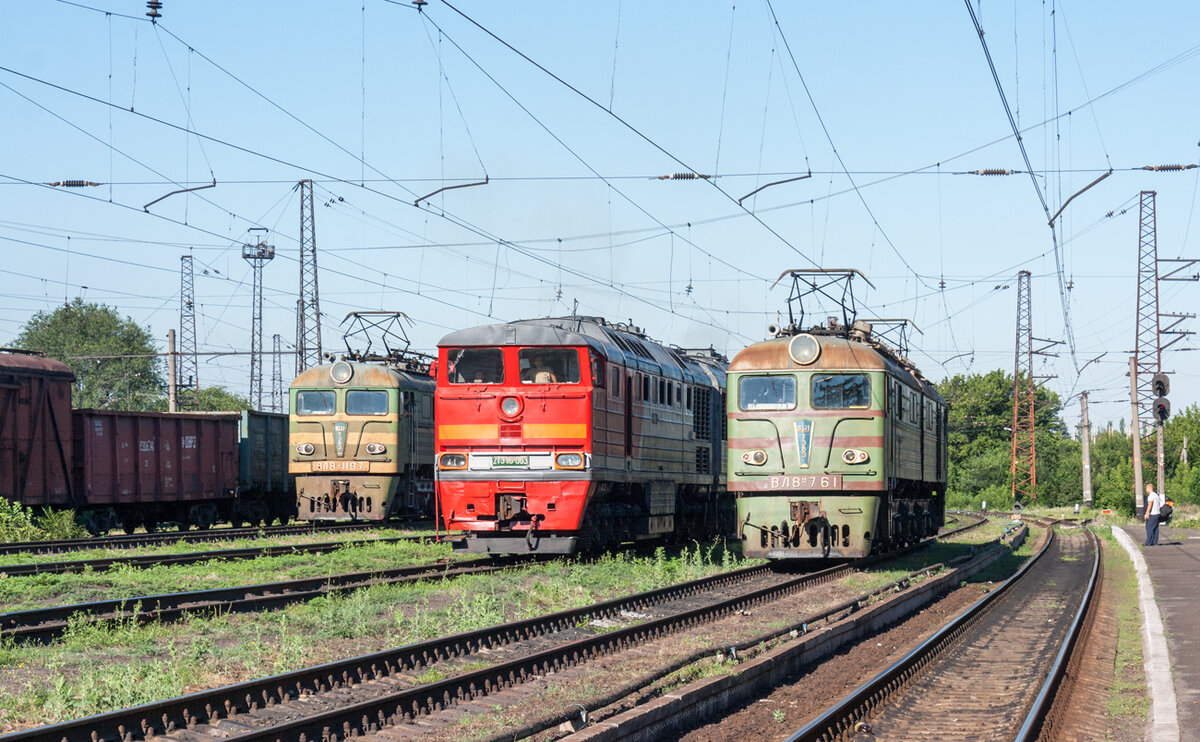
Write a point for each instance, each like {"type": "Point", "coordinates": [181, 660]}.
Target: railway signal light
{"type": "Point", "coordinates": [1161, 385]}
{"type": "Point", "coordinates": [1160, 408]}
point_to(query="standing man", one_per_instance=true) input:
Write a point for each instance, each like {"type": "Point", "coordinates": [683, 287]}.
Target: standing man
{"type": "Point", "coordinates": [1154, 503]}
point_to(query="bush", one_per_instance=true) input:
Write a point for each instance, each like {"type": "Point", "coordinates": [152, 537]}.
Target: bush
{"type": "Point", "coordinates": [59, 524]}
{"type": "Point", "coordinates": [16, 522]}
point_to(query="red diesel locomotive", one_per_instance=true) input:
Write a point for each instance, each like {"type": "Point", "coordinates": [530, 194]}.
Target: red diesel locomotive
{"type": "Point", "coordinates": [567, 434]}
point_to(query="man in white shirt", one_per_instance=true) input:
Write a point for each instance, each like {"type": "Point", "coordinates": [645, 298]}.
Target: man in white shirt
{"type": "Point", "coordinates": [1154, 502]}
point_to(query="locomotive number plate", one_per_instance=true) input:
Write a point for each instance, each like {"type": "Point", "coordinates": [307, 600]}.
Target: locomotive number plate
{"type": "Point", "coordinates": [510, 461]}
{"type": "Point", "coordinates": [805, 482]}
{"type": "Point", "coordinates": [341, 466]}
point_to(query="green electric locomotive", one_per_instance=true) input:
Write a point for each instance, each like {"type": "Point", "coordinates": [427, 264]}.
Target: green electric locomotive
{"type": "Point", "coordinates": [837, 445]}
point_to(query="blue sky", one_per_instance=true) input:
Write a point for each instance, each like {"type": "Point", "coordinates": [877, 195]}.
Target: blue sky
{"type": "Point", "coordinates": [887, 104]}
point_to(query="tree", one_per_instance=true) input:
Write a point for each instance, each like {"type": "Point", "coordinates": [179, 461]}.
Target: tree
{"type": "Point", "coordinates": [79, 329]}
{"type": "Point", "coordinates": [979, 430]}
{"type": "Point", "coordinates": [212, 399]}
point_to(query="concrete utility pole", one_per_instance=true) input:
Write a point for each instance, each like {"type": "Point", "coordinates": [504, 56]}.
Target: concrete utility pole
{"type": "Point", "coordinates": [1085, 438]}
{"type": "Point", "coordinates": [1135, 435]}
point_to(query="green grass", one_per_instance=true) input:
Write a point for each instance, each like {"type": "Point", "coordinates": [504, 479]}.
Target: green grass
{"type": "Point", "coordinates": [179, 547]}
{"type": "Point", "coordinates": [1128, 704]}
{"type": "Point", "coordinates": [98, 667]}
{"type": "Point", "coordinates": [123, 581]}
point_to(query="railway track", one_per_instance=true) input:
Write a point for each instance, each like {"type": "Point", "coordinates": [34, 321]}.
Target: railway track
{"type": "Point", "coordinates": [46, 623]}
{"type": "Point", "coordinates": [191, 557]}
{"type": "Point", "coordinates": [191, 537]}
{"type": "Point", "coordinates": [993, 672]}
{"type": "Point", "coordinates": [367, 693]}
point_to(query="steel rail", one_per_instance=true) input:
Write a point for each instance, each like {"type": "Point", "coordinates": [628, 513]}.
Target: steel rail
{"type": "Point", "coordinates": [1032, 726]}
{"type": "Point", "coordinates": [205, 706]}
{"type": "Point", "coordinates": [232, 701]}
{"type": "Point", "coordinates": [47, 623]}
{"type": "Point", "coordinates": [839, 719]}
{"type": "Point", "coordinates": [149, 539]}
{"type": "Point", "coordinates": [154, 560]}
{"type": "Point", "coordinates": [377, 713]}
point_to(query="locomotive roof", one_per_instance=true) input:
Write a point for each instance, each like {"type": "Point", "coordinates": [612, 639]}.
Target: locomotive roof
{"type": "Point", "coordinates": [617, 343]}
{"type": "Point", "coordinates": [34, 364]}
{"type": "Point", "coordinates": [365, 374]}
{"type": "Point", "coordinates": [838, 353]}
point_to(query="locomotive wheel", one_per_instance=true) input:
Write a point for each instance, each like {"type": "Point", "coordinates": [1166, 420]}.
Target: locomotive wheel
{"type": "Point", "coordinates": [129, 526]}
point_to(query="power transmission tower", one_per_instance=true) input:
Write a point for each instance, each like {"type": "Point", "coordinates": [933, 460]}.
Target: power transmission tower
{"type": "Point", "coordinates": [187, 382]}
{"type": "Point", "coordinates": [308, 311]}
{"type": "Point", "coordinates": [276, 374]}
{"type": "Point", "coordinates": [257, 255]}
{"type": "Point", "coordinates": [1152, 384]}
{"type": "Point", "coordinates": [1024, 448]}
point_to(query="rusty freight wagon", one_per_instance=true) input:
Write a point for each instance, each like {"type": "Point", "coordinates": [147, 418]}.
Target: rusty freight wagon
{"type": "Point", "coordinates": [35, 430]}
{"type": "Point", "coordinates": [131, 469]}
{"type": "Point", "coordinates": [146, 468]}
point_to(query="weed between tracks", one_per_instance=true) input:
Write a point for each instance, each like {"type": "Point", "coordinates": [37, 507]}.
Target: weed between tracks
{"type": "Point", "coordinates": [1128, 705]}
{"type": "Point", "coordinates": [123, 581]}
{"type": "Point", "coordinates": [99, 667]}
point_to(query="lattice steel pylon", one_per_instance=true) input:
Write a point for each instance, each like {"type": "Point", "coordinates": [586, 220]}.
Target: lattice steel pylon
{"type": "Point", "coordinates": [308, 310]}
{"type": "Point", "coordinates": [187, 379]}
{"type": "Point", "coordinates": [257, 255]}
{"type": "Point", "coordinates": [276, 374]}
{"type": "Point", "coordinates": [1146, 353]}
{"type": "Point", "coordinates": [1024, 449]}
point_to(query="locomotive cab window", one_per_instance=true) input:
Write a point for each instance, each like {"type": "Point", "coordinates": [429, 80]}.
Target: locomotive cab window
{"type": "Point", "coordinates": [774, 392]}
{"type": "Point", "coordinates": [549, 365]}
{"type": "Point", "coordinates": [315, 402]}
{"type": "Point", "coordinates": [475, 366]}
{"type": "Point", "coordinates": [841, 391]}
{"type": "Point", "coordinates": [364, 402]}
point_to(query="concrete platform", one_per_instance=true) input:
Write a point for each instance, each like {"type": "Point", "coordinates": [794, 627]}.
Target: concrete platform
{"type": "Point", "coordinates": [1173, 599]}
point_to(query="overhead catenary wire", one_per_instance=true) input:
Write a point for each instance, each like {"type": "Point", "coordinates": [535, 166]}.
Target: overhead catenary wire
{"type": "Point", "coordinates": [1037, 187]}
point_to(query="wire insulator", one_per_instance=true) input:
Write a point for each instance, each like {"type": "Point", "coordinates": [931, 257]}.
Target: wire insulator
{"type": "Point", "coordinates": [72, 183]}
{"type": "Point", "coordinates": [1167, 168]}
{"type": "Point", "coordinates": [991, 171]}
{"type": "Point", "coordinates": [154, 6]}
{"type": "Point", "coordinates": [683, 176]}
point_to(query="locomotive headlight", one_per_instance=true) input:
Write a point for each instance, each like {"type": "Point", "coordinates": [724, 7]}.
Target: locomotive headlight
{"type": "Point", "coordinates": [804, 349]}
{"type": "Point", "coordinates": [341, 372]}
{"type": "Point", "coordinates": [453, 461]}
{"type": "Point", "coordinates": [855, 456]}
{"type": "Point", "coordinates": [376, 448]}
{"type": "Point", "coordinates": [305, 449]}
{"type": "Point", "coordinates": [510, 406]}
{"type": "Point", "coordinates": [568, 461]}
{"type": "Point", "coordinates": [755, 458]}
